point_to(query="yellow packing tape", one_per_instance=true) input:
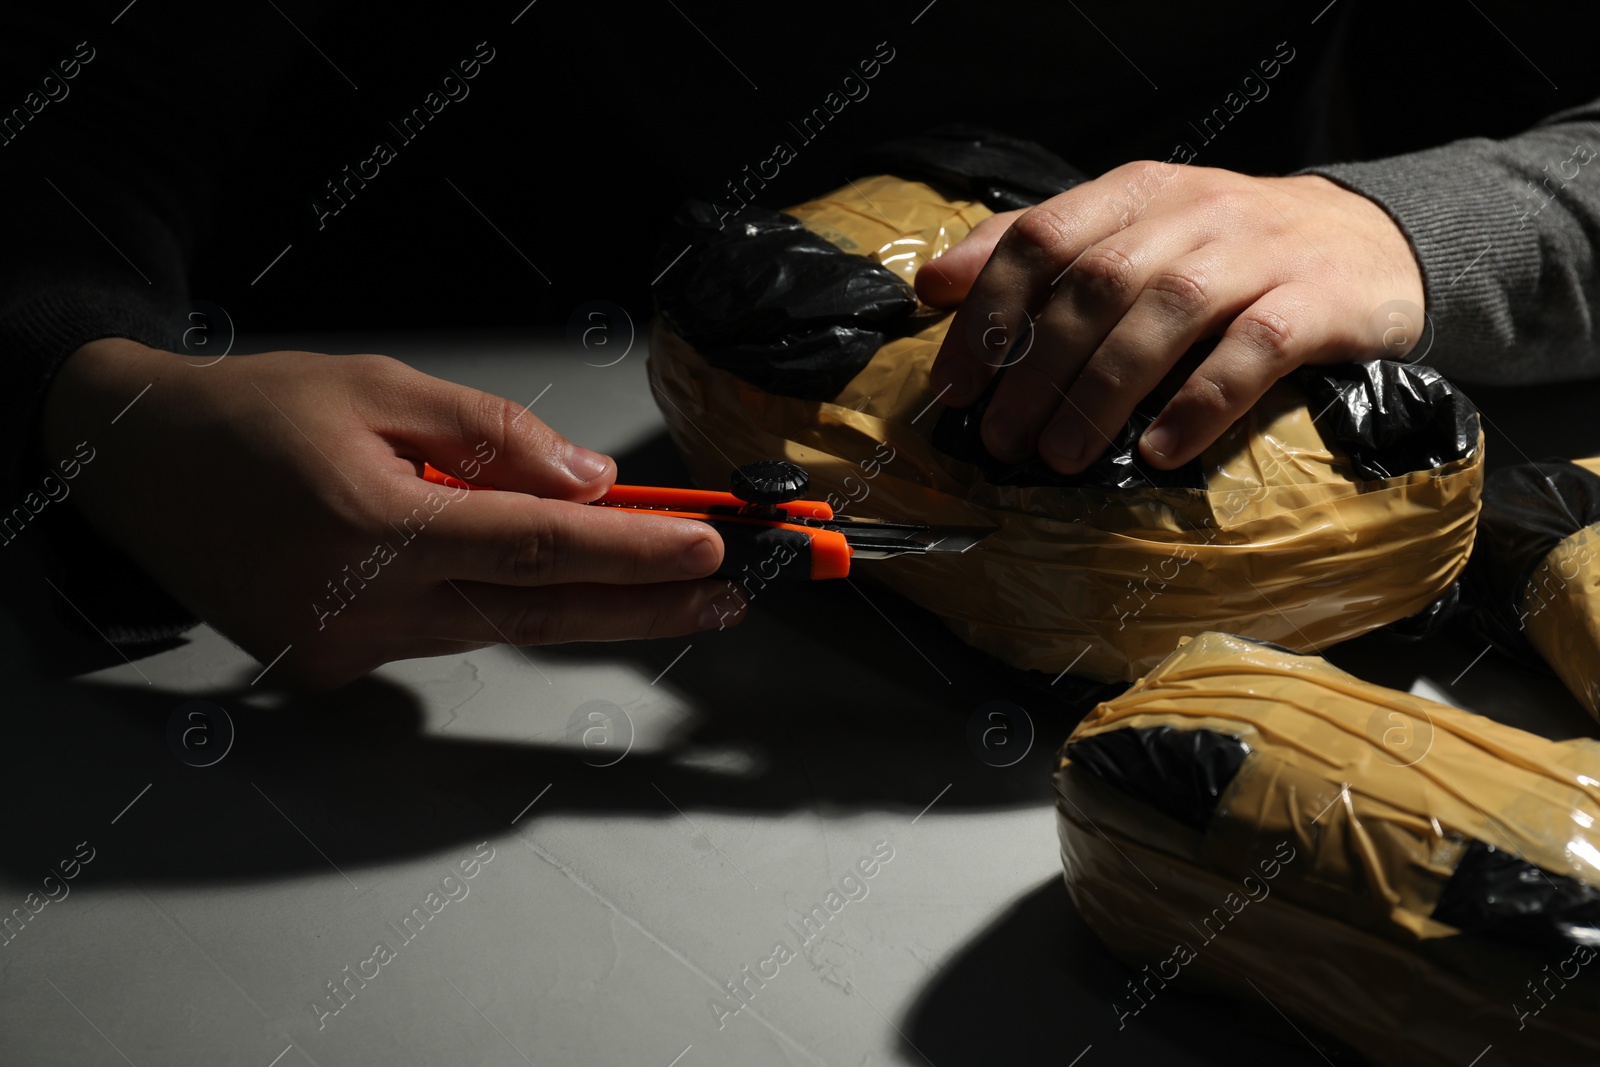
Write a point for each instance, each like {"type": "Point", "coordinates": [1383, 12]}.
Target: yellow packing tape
{"type": "Point", "coordinates": [1315, 881]}
{"type": "Point", "coordinates": [1284, 545]}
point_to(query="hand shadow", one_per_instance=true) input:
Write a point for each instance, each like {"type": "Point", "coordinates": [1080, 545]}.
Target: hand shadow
{"type": "Point", "coordinates": [844, 697]}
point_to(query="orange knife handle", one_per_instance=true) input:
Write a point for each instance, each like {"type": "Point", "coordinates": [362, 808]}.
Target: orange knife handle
{"type": "Point", "coordinates": [439, 477]}
{"type": "Point", "coordinates": [754, 552]}
{"type": "Point", "coordinates": [754, 549]}
{"type": "Point", "coordinates": [653, 496]}
{"type": "Point", "coordinates": [656, 497]}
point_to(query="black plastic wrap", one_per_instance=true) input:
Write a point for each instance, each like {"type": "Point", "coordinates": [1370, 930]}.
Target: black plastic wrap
{"type": "Point", "coordinates": [1495, 894]}
{"type": "Point", "coordinates": [958, 434]}
{"type": "Point", "coordinates": [972, 163]}
{"type": "Point", "coordinates": [1382, 533]}
{"type": "Point", "coordinates": [766, 299]}
{"type": "Point", "coordinates": [1389, 918]}
{"type": "Point", "coordinates": [1391, 418]}
{"type": "Point", "coordinates": [1527, 511]}
{"type": "Point", "coordinates": [760, 296]}
{"type": "Point", "coordinates": [1180, 773]}
{"type": "Point", "coordinates": [1426, 623]}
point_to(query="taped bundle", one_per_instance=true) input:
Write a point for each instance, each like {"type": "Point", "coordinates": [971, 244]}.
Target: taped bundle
{"type": "Point", "coordinates": [1345, 500]}
{"type": "Point", "coordinates": [1256, 822]}
{"type": "Point", "coordinates": [1534, 579]}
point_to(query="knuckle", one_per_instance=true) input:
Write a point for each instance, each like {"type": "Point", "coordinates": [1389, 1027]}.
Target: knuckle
{"type": "Point", "coordinates": [1102, 377]}
{"type": "Point", "coordinates": [1185, 291]}
{"type": "Point", "coordinates": [1106, 272]}
{"type": "Point", "coordinates": [1147, 168]}
{"type": "Point", "coordinates": [1209, 396]}
{"type": "Point", "coordinates": [1268, 333]}
{"type": "Point", "coordinates": [1219, 200]}
{"type": "Point", "coordinates": [476, 411]}
{"type": "Point", "coordinates": [520, 430]}
{"type": "Point", "coordinates": [502, 415]}
{"type": "Point", "coordinates": [1134, 187]}
{"type": "Point", "coordinates": [383, 378]}
{"type": "Point", "coordinates": [530, 555]}
{"type": "Point", "coordinates": [1145, 172]}
{"type": "Point", "coordinates": [1133, 170]}
{"type": "Point", "coordinates": [1045, 229]}
{"type": "Point", "coordinates": [378, 367]}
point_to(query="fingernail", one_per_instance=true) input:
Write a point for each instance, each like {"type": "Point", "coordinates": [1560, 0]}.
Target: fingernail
{"type": "Point", "coordinates": [700, 559]}
{"type": "Point", "coordinates": [1004, 436]}
{"type": "Point", "coordinates": [722, 611]}
{"type": "Point", "coordinates": [953, 380]}
{"type": "Point", "coordinates": [585, 465]}
{"type": "Point", "coordinates": [1063, 446]}
{"type": "Point", "coordinates": [1162, 439]}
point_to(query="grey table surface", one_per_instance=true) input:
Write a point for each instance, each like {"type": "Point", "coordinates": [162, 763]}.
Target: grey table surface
{"type": "Point", "coordinates": [656, 817]}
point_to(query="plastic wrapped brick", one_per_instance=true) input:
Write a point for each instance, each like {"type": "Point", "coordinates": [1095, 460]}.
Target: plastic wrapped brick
{"type": "Point", "coordinates": [1416, 880]}
{"type": "Point", "coordinates": [1344, 501]}
{"type": "Point", "coordinates": [1534, 579]}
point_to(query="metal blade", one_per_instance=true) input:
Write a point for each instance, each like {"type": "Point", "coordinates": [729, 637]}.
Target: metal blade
{"type": "Point", "coordinates": [872, 539]}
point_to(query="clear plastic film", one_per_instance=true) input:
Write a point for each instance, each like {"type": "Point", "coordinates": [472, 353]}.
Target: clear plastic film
{"type": "Point", "coordinates": [1284, 541]}
{"type": "Point", "coordinates": [900, 224]}
{"type": "Point", "coordinates": [1263, 824]}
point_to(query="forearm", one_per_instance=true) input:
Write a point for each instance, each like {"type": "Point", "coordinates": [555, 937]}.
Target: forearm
{"type": "Point", "coordinates": [1505, 234]}
{"type": "Point", "coordinates": [110, 142]}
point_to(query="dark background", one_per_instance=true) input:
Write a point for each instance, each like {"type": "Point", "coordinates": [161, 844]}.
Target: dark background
{"type": "Point", "coordinates": [595, 119]}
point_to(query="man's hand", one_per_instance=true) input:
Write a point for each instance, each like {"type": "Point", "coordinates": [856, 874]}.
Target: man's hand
{"type": "Point", "coordinates": [1118, 277]}
{"type": "Point", "coordinates": [279, 497]}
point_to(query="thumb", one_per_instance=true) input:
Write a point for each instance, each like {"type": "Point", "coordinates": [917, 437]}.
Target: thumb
{"type": "Point", "coordinates": [489, 440]}
{"type": "Point", "coordinates": [944, 282]}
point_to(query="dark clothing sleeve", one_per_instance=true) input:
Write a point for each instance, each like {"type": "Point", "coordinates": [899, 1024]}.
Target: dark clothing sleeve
{"type": "Point", "coordinates": [1505, 232]}
{"type": "Point", "coordinates": [111, 137]}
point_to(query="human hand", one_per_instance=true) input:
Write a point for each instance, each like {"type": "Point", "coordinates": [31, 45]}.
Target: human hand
{"type": "Point", "coordinates": [279, 497]}
{"type": "Point", "coordinates": [1119, 276]}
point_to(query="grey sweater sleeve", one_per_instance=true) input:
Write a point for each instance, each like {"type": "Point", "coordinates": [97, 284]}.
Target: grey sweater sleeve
{"type": "Point", "coordinates": [1506, 234]}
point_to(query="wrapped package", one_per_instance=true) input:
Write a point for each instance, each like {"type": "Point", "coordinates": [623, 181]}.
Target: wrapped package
{"type": "Point", "coordinates": [1416, 880]}
{"type": "Point", "coordinates": [1344, 501]}
{"type": "Point", "coordinates": [1534, 579]}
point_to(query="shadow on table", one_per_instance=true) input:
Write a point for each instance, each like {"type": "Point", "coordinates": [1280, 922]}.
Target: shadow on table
{"type": "Point", "coordinates": [852, 698]}
{"type": "Point", "coordinates": [849, 699]}
{"type": "Point", "coordinates": [1036, 986]}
